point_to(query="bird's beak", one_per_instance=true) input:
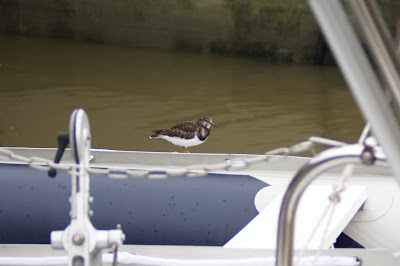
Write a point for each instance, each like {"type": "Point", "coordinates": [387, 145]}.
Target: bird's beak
{"type": "Point", "coordinates": [212, 123]}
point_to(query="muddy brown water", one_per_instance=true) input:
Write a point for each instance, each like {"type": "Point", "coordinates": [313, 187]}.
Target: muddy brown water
{"type": "Point", "coordinates": [127, 92]}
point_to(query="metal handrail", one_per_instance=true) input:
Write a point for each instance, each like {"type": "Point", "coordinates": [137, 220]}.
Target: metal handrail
{"type": "Point", "coordinates": [368, 93]}
{"type": "Point", "coordinates": [331, 158]}
{"type": "Point", "coordinates": [380, 45]}
{"type": "Point", "coordinates": [360, 76]}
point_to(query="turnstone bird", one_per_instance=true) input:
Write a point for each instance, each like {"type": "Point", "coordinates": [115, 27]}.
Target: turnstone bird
{"type": "Point", "coordinates": [186, 134]}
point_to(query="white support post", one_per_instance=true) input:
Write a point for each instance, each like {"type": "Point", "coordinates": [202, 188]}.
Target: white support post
{"type": "Point", "coordinates": [81, 239]}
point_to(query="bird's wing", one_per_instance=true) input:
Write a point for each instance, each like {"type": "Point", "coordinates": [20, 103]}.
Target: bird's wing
{"type": "Point", "coordinates": [184, 130]}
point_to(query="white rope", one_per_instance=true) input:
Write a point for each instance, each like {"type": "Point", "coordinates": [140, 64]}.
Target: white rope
{"type": "Point", "coordinates": [312, 235]}
{"type": "Point", "coordinates": [334, 199]}
{"type": "Point", "coordinates": [191, 171]}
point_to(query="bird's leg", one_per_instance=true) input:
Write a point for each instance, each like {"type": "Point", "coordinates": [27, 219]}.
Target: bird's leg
{"type": "Point", "coordinates": [185, 150]}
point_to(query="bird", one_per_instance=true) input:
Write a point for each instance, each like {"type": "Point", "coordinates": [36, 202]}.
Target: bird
{"type": "Point", "coordinates": [186, 134]}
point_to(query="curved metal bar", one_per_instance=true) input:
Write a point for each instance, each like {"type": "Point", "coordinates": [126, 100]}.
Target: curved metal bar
{"type": "Point", "coordinates": [326, 160]}
{"type": "Point", "coordinates": [380, 43]}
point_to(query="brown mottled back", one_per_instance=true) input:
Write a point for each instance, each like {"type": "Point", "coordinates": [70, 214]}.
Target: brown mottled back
{"type": "Point", "coordinates": [188, 129]}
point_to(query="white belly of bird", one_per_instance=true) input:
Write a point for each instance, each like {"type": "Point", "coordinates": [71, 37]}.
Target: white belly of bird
{"type": "Point", "coordinates": [183, 142]}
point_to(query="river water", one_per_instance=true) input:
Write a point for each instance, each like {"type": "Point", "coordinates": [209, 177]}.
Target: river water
{"type": "Point", "coordinates": [127, 92]}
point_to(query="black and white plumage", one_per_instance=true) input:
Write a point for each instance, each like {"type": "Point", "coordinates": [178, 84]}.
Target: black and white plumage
{"type": "Point", "coordinates": [186, 134]}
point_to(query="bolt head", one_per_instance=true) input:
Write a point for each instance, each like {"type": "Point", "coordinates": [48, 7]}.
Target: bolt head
{"type": "Point", "coordinates": [367, 157]}
{"type": "Point", "coordinates": [78, 239]}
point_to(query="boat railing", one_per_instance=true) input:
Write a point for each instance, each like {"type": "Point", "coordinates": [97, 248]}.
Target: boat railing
{"type": "Point", "coordinates": [335, 157]}
{"type": "Point", "coordinates": [377, 97]}
{"type": "Point", "coordinates": [368, 90]}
